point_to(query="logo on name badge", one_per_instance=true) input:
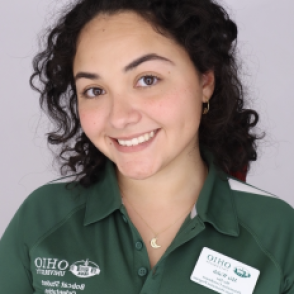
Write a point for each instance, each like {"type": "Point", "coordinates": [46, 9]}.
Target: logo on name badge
{"type": "Point", "coordinates": [241, 272]}
{"type": "Point", "coordinates": [85, 269]}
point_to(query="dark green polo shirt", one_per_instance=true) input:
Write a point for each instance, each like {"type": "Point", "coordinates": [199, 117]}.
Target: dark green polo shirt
{"type": "Point", "coordinates": [81, 241]}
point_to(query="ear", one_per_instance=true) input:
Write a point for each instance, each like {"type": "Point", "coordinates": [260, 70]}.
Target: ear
{"type": "Point", "coordinates": [207, 82]}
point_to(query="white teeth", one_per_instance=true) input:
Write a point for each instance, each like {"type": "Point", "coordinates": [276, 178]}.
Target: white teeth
{"type": "Point", "coordinates": [137, 141]}
{"type": "Point", "coordinates": [141, 139]}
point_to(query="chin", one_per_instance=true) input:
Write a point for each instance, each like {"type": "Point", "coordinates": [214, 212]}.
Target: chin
{"type": "Point", "coordinates": [136, 171]}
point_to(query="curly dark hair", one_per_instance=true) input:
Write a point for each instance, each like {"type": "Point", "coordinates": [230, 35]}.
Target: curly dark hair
{"type": "Point", "coordinates": [209, 36]}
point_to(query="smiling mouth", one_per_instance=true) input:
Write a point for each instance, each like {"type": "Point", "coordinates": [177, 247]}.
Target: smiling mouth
{"type": "Point", "coordinates": [137, 141]}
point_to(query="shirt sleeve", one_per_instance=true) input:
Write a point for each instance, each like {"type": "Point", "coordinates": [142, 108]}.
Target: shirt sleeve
{"type": "Point", "coordinates": [15, 276]}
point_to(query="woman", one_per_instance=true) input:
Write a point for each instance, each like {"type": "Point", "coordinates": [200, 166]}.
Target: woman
{"type": "Point", "coordinates": [148, 108]}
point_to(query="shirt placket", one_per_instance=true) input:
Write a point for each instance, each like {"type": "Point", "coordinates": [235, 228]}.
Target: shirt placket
{"type": "Point", "coordinates": [141, 265]}
{"type": "Point", "coordinates": [189, 230]}
{"type": "Point", "coordinates": [147, 279]}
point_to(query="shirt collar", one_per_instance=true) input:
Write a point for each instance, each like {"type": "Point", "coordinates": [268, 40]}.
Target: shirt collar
{"type": "Point", "coordinates": [215, 204]}
{"type": "Point", "coordinates": [103, 197]}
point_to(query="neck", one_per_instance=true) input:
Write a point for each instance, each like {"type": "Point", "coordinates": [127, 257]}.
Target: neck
{"type": "Point", "coordinates": [177, 184]}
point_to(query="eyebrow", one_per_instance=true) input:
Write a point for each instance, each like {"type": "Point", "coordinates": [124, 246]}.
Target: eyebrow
{"type": "Point", "coordinates": [135, 63]}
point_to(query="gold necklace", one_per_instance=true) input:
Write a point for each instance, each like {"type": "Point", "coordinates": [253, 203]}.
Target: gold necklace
{"type": "Point", "coordinates": [153, 241]}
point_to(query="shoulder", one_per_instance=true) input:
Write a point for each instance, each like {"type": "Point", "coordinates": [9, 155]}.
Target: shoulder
{"type": "Point", "coordinates": [270, 222]}
{"type": "Point", "coordinates": [48, 206]}
{"type": "Point", "coordinates": [254, 204]}
{"type": "Point", "coordinates": [60, 195]}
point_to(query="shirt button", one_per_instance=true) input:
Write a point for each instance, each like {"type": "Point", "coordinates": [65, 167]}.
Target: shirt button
{"type": "Point", "coordinates": [139, 245]}
{"type": "Point", "coordinates": [124, 218]}
{"type": "Point", "coordinates": [142, 271]}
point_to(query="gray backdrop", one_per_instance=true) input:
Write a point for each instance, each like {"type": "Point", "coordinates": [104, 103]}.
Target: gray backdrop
{"type": "Point", "coordinates": [266, 42]}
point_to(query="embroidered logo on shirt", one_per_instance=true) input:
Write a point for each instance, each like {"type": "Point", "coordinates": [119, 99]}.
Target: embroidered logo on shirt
{"type": "Point", "coordinates": [85, 269]}
{"type": "Point", "coordinates": [56, 267]}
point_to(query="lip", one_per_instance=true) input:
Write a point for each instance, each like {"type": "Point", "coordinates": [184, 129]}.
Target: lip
{"type": "Point", "coordinates": [139, 147]}
{"type": "Point", "coordinates": [134, 136]}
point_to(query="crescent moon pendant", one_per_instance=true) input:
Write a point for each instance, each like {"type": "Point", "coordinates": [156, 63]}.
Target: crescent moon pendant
{"type": "Point", "coordinates": [153, 243]}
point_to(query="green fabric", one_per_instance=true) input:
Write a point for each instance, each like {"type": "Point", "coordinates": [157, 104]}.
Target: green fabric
{"type": "Point", "coordinates": [69, 241]}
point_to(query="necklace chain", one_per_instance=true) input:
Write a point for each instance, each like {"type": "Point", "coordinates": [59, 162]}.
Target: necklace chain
{"type": "Point", "coordinates": [153, 241]}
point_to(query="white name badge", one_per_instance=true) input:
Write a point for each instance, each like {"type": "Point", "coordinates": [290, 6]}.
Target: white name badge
{"type": "Point", "coordinates": [223, 274]}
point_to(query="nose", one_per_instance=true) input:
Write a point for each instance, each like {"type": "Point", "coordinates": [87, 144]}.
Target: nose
{"type": "Point", "coordinates": [123, 113]}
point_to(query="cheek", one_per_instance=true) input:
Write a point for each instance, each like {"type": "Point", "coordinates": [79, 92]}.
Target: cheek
{"type": "Point", "coordinates": [180, 107]}
{"type": "Point", "coordinates": [91, 121]}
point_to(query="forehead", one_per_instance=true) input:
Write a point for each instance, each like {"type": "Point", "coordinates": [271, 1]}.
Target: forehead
{"type": "Point", "coordinates": [123, 24]}
{"type": "Point", "coordinates": [107, 22]}
{"type": "Point", "coordinates": [120, 36]}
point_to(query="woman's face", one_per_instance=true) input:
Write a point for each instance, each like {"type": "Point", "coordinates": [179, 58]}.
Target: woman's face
{"type": "Point", "coordinates": [143, 113]}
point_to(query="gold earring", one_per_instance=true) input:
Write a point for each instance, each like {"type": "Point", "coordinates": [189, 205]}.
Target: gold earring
{"type": "Point", "coordinates": [206, 109]}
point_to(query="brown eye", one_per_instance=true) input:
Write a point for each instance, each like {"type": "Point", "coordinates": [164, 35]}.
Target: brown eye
{"type": "Point", "coordinates": [93, 92]}
{"type": "Point", "coordinates": [148, 80]}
